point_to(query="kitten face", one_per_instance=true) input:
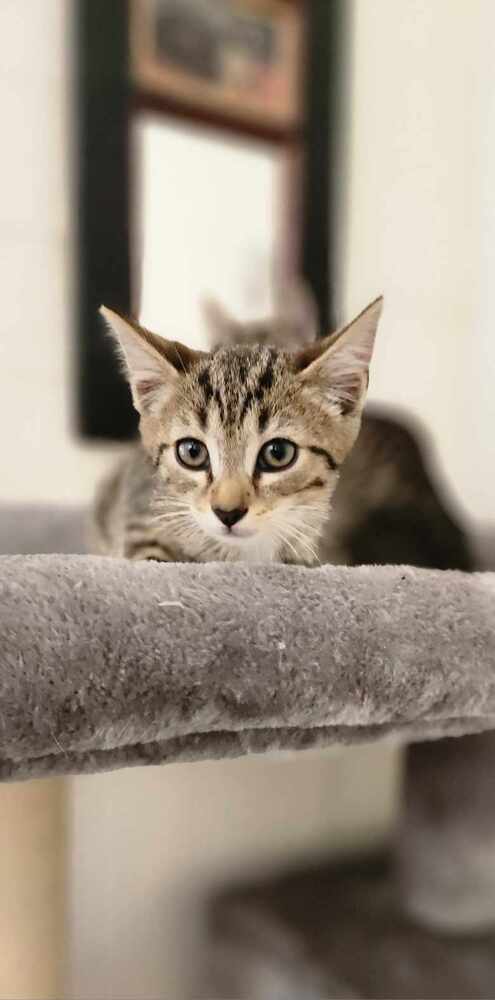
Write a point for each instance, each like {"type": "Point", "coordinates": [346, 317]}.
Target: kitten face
{"type": "Point", "coordinates": [248, 440]}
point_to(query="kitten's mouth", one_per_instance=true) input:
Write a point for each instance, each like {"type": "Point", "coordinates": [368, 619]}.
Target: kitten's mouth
{"type": "Point", "coordinates": [236, 533]}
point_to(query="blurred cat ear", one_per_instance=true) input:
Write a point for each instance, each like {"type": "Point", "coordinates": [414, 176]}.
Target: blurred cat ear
{"type": "Point", "coordinates": [152, 364]}
{"type": "Point", "coordinates": [339, 364]}
{"type": "Point", "coordinates": [295, 306]}
{"type": "Point", "coordinates": [221, 327]}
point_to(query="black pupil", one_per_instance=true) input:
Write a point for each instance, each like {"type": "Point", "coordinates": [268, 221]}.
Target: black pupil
{"type": "Point", "coordinates": [194, 449]}
{"type": "Point", "coordinates": [278, 451]}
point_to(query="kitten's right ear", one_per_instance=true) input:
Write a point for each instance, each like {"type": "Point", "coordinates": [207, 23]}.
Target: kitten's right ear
{"type": "Point", "coordinates": [221, 328]}
{"type": "Point", "coordinates": [337, 366]}
{"type": "Point", "coordinates": [152, 364]}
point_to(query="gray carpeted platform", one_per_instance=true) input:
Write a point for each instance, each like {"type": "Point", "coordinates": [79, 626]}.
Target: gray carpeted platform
{"type": "Point", "coordinates": [106, 663]}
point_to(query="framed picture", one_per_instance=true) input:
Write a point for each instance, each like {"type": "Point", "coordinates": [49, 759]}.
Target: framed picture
{"type": "Point", "coordinates": [236, 61]}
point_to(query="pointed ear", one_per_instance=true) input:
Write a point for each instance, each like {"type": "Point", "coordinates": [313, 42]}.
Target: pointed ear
{"type": "Point", "coordinates": [151, 364]}
{"type": "Point", "coordinates": [338, 365]}
{"type": "Point", "coordinates": [221, 328]}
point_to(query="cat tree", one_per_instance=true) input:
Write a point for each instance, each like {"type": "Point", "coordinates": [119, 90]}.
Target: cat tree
{"type": "Point", "coordinates": [107, 664]}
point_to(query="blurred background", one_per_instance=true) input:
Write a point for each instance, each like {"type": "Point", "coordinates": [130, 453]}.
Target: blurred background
{"type": "Point", "coordinates": [154, 152]}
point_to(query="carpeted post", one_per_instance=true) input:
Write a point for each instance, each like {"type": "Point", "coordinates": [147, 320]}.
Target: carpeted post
{"type": "Point", "coordinates": [446, 847]}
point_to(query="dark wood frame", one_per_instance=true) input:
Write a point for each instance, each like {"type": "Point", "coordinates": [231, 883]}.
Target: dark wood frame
{"type": "Point", "coordinates": [145, 100]}
{"type": "Point", "coordinates": [104, 103]}
{"type": "Point", "coordinates": [320, 152]}
{"type": "Point", "coordinates": [102, 200]}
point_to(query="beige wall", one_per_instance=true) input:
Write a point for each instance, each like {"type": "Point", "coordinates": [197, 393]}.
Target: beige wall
{"type": "Point", "coordinates": [33, 890]}
{"type": "Point", "coordinates": [418, 220]}
{"type": "Point", "coordinates": [40, 456]}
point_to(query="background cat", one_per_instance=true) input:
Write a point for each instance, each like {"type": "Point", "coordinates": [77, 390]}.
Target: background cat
{"type": "Point", "coordinates": [387, 506]}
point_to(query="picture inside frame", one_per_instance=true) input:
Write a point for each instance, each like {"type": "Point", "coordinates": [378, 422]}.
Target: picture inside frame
{"type": "Point", "coordinates": [239, 58]}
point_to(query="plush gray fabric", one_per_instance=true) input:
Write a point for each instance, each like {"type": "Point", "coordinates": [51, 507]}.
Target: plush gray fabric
{"type": "Point", "coordinates": [445, 849]}
{"type": "Point", "coordinates": [105, 663]}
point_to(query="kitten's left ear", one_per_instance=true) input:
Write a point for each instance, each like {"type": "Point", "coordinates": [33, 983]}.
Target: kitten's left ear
{"type": "Point", "coordinates": [339, 364]}
{"type": "Point", "coordinates": [152, 364]}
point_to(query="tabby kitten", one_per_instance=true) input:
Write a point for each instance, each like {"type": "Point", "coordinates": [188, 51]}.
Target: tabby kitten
{"type": "Point", "coordinates": [240, 448]}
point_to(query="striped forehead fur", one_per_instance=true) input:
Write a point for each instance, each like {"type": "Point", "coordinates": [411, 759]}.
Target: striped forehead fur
{"type": "Point", "coordinates": [237, 380]}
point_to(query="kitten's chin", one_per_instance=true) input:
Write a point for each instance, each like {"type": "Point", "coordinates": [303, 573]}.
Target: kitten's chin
{"type": "Point", "coordinates": [253, 548]}
{"type": "Point", "coordinates": [237, 539]}
{"type": "Point", "coordinates": [242, 540]}
{"type": "Point", "coordinates": [236, 536]}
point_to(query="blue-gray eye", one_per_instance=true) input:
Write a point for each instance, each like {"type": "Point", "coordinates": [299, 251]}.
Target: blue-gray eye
{"type": "Point", "coordinates": [276, 455]}
{"type": "Point", "coordinates": [192, 453]}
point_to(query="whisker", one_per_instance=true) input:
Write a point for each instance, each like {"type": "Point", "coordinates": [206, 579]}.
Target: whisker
{"type": "Point", "coordinates": [299, 535]}
{"type": "Point", "coordinates": [285, 541]}
{"type": "Point", "coordinates": [302, 540]}
{"type": "Point", "coordinates": [306, 523]}
{"type": "Point", "coordinates": [166, 505]}
{"type": "Point", "coordinates": [309, 514]}
{"type": "Point", "coordinates": [171, 516]}
{"type": "Point", "coordinates": [304, 508]}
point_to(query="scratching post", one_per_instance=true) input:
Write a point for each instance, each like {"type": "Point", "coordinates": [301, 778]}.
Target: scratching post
{"type": "Point", "coordinates": [445, 855]}
{"type": "Point", "coordinates": [446, 847]}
